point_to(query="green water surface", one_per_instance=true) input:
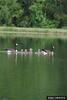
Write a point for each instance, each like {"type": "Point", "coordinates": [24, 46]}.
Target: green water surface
{"type": "Point", "coordinates": [33, 77]}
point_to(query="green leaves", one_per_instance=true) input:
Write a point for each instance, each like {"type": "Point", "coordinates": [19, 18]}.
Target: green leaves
{"type": "Point", "coordinates": [33, 13]}
{"type": "Point", "coordinates": [8, 10]}
{"type": "Point", "coordinates": [36, 14]}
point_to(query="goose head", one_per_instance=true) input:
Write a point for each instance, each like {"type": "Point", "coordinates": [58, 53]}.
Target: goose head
{"type": "Point", "coordinates": [16, 44]}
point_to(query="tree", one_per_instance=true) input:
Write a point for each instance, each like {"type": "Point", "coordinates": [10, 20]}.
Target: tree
{"type": "Point", "coordinates": [36, 14]}
{"type": "Point", "coordinates": [9, 9]}
{"type": "Point", "coordinates": [55, 11]}
{"type": "Point", "coordinates": [39, 15]}
{"type": "Point", "coordinates": [33, 13]}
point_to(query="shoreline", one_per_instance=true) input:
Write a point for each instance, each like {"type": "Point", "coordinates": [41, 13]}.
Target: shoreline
{"type": "Point", "coordinates": [33, 32]}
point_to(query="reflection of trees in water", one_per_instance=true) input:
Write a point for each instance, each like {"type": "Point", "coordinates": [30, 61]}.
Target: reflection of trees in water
{"type": "Point", "coordinates": [61, 67]}
{"type": "Point", "coordinates": [26, 43]}
{"type": "Point", "coordinates": [59, 42]}
{"type": "Point", "coordinates": [35, 43]}
{"type": "Point", "coordinates": [61, 48]}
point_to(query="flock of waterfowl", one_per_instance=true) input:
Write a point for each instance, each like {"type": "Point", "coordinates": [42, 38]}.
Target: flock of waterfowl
{"type": "Point", "coordinates": [29, 52]}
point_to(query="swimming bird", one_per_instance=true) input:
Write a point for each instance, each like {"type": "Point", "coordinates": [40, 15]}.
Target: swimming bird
{"type": "Point", "coordinates": [38, 52]}
{"type": "Point", "coordinates": [21, 52]}
{"type": "Point", "coordinates": [48, 52]}
{"type": "Point", "coordinates": [9, 50]}
{"type": "Point", "coordinates": [30, 51]}
{"type": "Point", "coordinates": [44, 52]}
{"type": "Point", "coordinates": [25, 52]}
{"type": "Point", "coordinates": [41, 52]}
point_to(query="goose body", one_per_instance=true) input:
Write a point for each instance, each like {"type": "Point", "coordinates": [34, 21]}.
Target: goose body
{"type": "Point", "coordinates": [40, 52]}
{"type": "Point", "coordinates": [50, 52]}
{"type": "Point", "coordinates": [9, 52]}
{"type": "Point", "coordinates": [44, 53]}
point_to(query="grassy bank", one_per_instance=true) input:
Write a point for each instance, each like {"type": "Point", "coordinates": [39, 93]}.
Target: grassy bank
{"type": "Point", "coordinates": [32, 32]}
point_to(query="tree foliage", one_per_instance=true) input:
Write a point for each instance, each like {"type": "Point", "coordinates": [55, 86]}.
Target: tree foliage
{"type": "Point", "coordinates": [33, 13]}
{"type": "Point", "coordinates": [10, 10]}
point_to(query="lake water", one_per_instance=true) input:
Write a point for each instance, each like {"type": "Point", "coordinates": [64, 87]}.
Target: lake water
{"type": "Point", "coordinates": [33, 77]}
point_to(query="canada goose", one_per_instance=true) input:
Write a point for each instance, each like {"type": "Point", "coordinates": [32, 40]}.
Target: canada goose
{"type": "Point", "coordinates": [49, 52]}
{"type": "Point", "coordinates": [44, 53]}
{"type": "Point", "coordinates": [9, 51]}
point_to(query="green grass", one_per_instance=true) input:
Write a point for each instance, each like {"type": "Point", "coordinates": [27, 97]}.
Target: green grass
{"type": "Point", "coordinates": [32, 32]}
